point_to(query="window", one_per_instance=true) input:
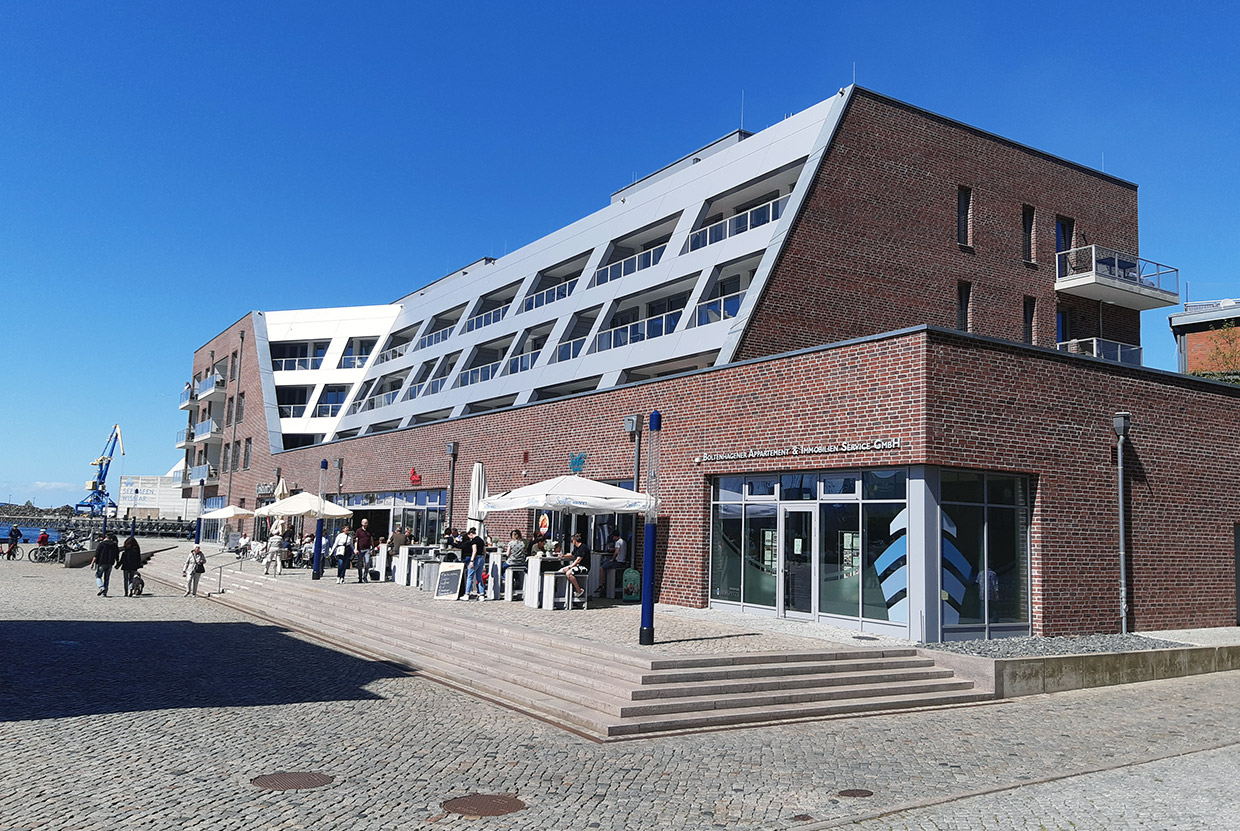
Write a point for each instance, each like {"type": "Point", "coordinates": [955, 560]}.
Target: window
{"type": "Point", "coordinates": [1065, 232]}
{"type": "Point", "coordinates": [1031, 308]}
{"type": "Point", "coordinates": [1061, 326]}
{"type": "Point", "coordinates": [232, 368]}
{"type": "Point", "coordinates": [240, 407]}
{"type": "Point", "coordinates": [1028, 248]}
{"type": "Point", "coordinates": [224, 466]}
{"type": "Point", "coordinates": [964, 216]}
{"type": "Point", "coordinates": [246, 463]}
{"type": "Point", "coordinates": [228, 414]}
{"type": "Point", "coordinates": [236, 455]}
{"type": "Point", "coordinates": [964, 298]}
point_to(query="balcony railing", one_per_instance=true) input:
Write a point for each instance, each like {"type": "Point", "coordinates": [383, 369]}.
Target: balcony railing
{"type": "Point", "coordinates": [485, 319]}
{"type": "Point", "coordinates": [327, 410]}
{"type": "Point", "coordinates": [393, 353]}
{"type": "Point", "coordinates": [413, 392]}
{"type": "Point", "coordinates": [637, 262]}
{"type": "Point", "coordinates": [292, 364]}
{"type": "Point", "coordinates": [651, 327]}
{"type": "Point", "coordinates": [434, 337]}
{"type": "Point", "coordinates": [550, 295]}
{"type": "Point", "coordinates": [210, 384]}
{"type": "Point", "coordinates": [353, 361]}
{"type": "Point", "coordinates": [206, 429]}
{"type": "Point", "coordinates": [374, 402]}
{"type": "Point", "coordinates": [721, 308]}
{"type": "Point", "coordinates": [435, 385]}
{"type": "Point", "coordinates": [521, 363]}
{"type": "Point", "coordinates": [1106, 262]}
{"type": "Point", "coordinates": [292, 410]}
{"type": "Point", "coordinates": [187, 395]}
{"type": "Point", "coordinates": [1123, 353]}
{"type": "Point", "coordinates": [184, 436]}
{"type": "Point", "coordinates": [753, 218]}
{"type": "Point", "coordinates": [570, 349]}
{"type": "Point", "coordinates": [478, 374]}
{"type": "Point", "coordinates": [199, 473]}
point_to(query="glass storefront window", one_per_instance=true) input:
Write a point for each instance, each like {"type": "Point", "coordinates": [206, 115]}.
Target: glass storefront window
{"type": "Point", "coordinates": [884, 484]}
{"type": "Point", "coordinates": [725, 559]}
{"type": "Point", "coordinates": [729, 489]}
{"type": "Point", "coordinates": [962, 486]}
{"type": "Point", "coordinates": [884, 572]}
{"type": "Point", "coordinates": [839, 484]}
{"type": "Point", "coordinates": [760, 486]}
{"type": "Point", "coordinates": [962, 563]}
{"type": "Point", "coordinates": [1001, 490]}
{"type": "Point", "coordinates": [761, 557]}
{"type": "Point", "coordinates": [798, 486]}
{"type": "Point", "coordinates": [1006, 578]}
{"type": "Point", "coordinates": [839, 568]}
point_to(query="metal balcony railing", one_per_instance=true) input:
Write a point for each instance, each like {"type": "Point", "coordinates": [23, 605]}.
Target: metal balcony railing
{"type": "Point", "coordinates": [393, 353]}
{"type": "Point", "coordinates": [569, 349]}
{"type": "Point", "coordinates": [187, 395]}
{"type": "Point", "coordinates": [210, 384]}
{"type": "Point", "coordinates": [1124, 353]}
{"type": "Point", "coordinates": [292, 364]}
{"type": "Point", "coordinates": [485, 319]}
{"type": "Point", "coordinates": [478, 374]}
{"type": "Point", "coordinates": [637, 331]}
{"type": "Point", "coordinates": [374, 402]}
{"type": "Point", "coordinates": [721, 308]}
{"type": "Point", "coordinates": [435, 385]}
{"type": "Point", "coordinates": [204, 429]}
{"type": "Point", "coordinates": [434, 337]}
{"type": "Point", "coordinates": [550, 295]}
{"type": "Point", "coordinates": [753, 218]}
{"type": "Point", "coordinates": [413, 392]}
{"type": "Point", "coordinates": [1115, 265]}
{"type": "Point", "coordinates": [292, 410]}
{"type": "Point", "coordinates": [327, 410]}
{"type": "Point", "coordinates": [637, 262]}
{"type": "Point", "coordinates": [186, 435]}
{"type": "Point", "coordinates": [353, 361]}
{"type": "Point", "coordinates": [521, 363]}
{"type": "Point", "coordinates": [200, 473]}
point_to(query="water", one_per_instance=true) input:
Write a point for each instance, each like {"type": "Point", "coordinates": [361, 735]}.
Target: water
{"type": "Point", "coordinates": [31, 533]}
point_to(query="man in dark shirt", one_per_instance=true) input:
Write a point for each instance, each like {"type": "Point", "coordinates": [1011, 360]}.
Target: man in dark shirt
{"type": "Point", "coordinates": [106, 555]}
{"type": "Point", "coordinates": [474, 554]}
{"type": "Point", "coordinates": [578, 564]}
{"type": "Point", "coordinates": [364, 543]}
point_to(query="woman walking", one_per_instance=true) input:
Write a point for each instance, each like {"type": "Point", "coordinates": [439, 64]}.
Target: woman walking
{"type": "Point", "coordinates": [342, 550]}
{"type": "Point", "coordinates": [195, 565]}
{"type": "Point", "coordinates": [131, 561]}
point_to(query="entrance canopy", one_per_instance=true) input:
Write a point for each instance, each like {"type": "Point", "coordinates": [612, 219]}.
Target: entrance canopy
{"type": "Point", "coordinates": [573, 494]}
{"type": "Point", "coordinates": [304, 504]}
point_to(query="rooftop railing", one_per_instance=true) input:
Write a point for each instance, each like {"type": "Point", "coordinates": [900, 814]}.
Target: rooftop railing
{"type": "Point", "coordinates": [434, 337]}
{"type": "Point", "coordinates": [485, 319]}
{"type": "Point", "coordinates": [1123, 353]}
{"type": "Point", "coordinates": [521, 363]}
{"type": "Point", "coordinates": [629, 265]}
{"type": "Point", "coordinates": [393, 353]}
{"type": "Point", "coordinates": [1209, 305]}
{"type": "Point", "coordinates": [210, 384]}
{"type": "Point", "coordinates": [1116, 265]}
{"type": "Point", "coordinates": [478, 374]}
{"type": "Point", "coordinates": [721, 308]}
{"type": "Point", "coordinates": [374, 402]}
{"type": "Point", "coordinates": [293, 364]}
{"type": "Point", "coordinates": [753, 218]}
{"type": "Point", "coordinates": [637, 331]}
{"type": "Point", "coordinates": [550, 295]}
{"type": "Point", "coordinates": [292, 410]}
{"type": "Point", "coordinates": [570, 349]}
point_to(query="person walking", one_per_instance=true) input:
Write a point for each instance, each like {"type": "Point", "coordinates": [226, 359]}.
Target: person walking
{"type": "Point", "coordinates": [474, 554]}
{"type": "Point", "coordinates": [342, 550]}
{"type": "Point", "coordinates": [130, 562]}
{"type": "Point", "coordinates": [195, 565]}
{"type": "Point", "coordinates": [106, 556]}
{"type": "Point", "coordinates": [364, 544]}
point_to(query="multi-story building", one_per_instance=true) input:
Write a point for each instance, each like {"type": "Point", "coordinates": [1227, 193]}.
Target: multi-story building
{"type": "Point", "coordinates": [1207, 338]}
{"type": "Point", "coordinates": [887, 348]}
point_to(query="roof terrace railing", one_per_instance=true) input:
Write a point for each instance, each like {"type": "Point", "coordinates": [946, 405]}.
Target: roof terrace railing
{"type": "Point", "coordinates": [1111, 350]}
{"type": "Point", "coordinates": [1116, 265]}
{"type": "Point", "coordinates": [752, 218]}
{"type": "Point", "coordinates": [550, 295]}
{"type": "Point", "coordinates": [629, 265]}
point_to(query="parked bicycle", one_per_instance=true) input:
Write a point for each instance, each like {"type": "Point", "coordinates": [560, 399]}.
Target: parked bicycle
{"type": "Point", "coordinates": [14, 552]}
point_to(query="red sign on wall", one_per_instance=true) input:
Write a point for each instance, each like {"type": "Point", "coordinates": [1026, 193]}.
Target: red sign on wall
{"type": "Point", "coordinates": [415, 478]}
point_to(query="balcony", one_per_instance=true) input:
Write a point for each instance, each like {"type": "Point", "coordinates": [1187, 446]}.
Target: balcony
{"type": "Point", "coordinates": [435, 385]}
{"type": "Point", "coordinates": [721, 308]}
{"type": "Point", "coordinates": [199, 473]}
{"type": "Point", "coordinates": [392, 354]}
{"type": "Point", "coordinates": [185, 437]}
{"type": "Point", "coordinates": [373, 403]}
{"type": "Point", "coordinates": [1110, 350]}
{"type": "Point", "coordinates": [291, 410]}
{"type": "Point", "coordinates": [1119, 279]}
{"type": "Point", "coordinates": [294, 364]}
{"type": "Point", "coordinates": [485, 319]}
{"type": "Point", "coordinates": [187, 397]}
{"type": "Point", "coordinates": [550, 295]}
{"type": "Point", "coordinates": [637, 262]}
{"type": "Point", "coordinates": [569, 349]}
{"type": "Point", "coordinates": [753, 218]}
{"type": "Point", "coordinates": [638, 331]}
{"type": "Point", "coordinates": [205, 431]}
{"type": "Point", "coordinates": [521, 363]}
{"type": "Point", "coordinates": [478, 374]}
{"type": "Point", "coordinates": [434, 338]}
{"type": "Point", "coordinates": [353, 361]}
{"type": "Point", "coordinates": [327, 410]}
{"type": "Point", "coordinates": [212, 386]}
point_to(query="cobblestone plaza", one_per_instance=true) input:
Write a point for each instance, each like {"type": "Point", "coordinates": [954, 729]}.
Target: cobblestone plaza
{"type": "Point", "coordinates": [157, 712]}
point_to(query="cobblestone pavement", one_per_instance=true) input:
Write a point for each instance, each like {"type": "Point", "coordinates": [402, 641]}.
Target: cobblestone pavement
{"type": "Point", "coordinates": [156, 712]}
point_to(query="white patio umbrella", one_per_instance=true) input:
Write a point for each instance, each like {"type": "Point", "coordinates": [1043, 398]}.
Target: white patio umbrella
{"type": "Point", "coordinates": [574, 494]}
{"type": "Point", "coordinates": [282, 490]}
{"type": "Point", "coordinates": [477, 492]}
{"type": "Point", "coordinates": [303, 504]}
{"type": "Point", "coordinates": [227, 512]}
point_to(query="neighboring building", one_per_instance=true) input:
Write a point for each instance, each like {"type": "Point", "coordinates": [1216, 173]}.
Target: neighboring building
{"type": "Point", "coordinates": [1207, 338]}
{"type": "Point", "coordinates": [886, 346]}
{"type": "Point", "coordinates": [155, 497]}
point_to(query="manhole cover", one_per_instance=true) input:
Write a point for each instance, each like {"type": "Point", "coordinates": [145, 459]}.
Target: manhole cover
{"type": "Point", "coordinates": [484, 804]}
{"type": "Point", "coordinates": [291, 781]}
{"type": "Point", "coordinates": [802, 818]}
{"type": "Point", "coordinates": [856, 792]}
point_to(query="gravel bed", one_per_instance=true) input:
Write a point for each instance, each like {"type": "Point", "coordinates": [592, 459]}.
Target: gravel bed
{"type": "Point", "coordinates": [1032, 647]}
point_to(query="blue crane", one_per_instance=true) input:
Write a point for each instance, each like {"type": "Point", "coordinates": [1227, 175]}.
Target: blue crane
{"type": "Point", "coordinates": [97, 502]}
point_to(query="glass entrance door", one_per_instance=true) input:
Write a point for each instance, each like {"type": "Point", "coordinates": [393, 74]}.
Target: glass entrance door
{"type": "Point", "coordinates": [798, 542]}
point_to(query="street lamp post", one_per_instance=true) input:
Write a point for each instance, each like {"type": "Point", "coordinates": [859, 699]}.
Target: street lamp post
{"type": "Point", "coordinates": [1121, 424]}
{"type": "Point", "coordinates": [317, 572]}
{"type": "Point", "coordinates": [645, 635]}
{"type": "Point", "coordinates": [202, 495]}
{"type": "Point", "coordinates": [452, 448]}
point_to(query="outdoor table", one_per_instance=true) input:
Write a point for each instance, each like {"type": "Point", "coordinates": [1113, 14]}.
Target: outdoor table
{"type": "Point", "coordinates": [495, 569]}
{"type": "Point", "coordinates": [380, 561]}
{"type": "Point", "coordinates": [536, 569]}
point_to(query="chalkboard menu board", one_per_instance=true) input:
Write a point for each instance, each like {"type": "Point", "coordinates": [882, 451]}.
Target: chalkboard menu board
{"type": "Point", "coordinates": [449, 585]}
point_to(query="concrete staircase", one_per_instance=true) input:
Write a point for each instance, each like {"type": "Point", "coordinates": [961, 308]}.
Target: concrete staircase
{"type": "Point", "coordinates": [602, 691]}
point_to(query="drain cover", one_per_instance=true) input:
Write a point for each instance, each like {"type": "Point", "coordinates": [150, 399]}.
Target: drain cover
{"type": "Point", "coordinates": [856, 792]}
{"type": "Point", "coordinates": [291, 781]}
{"type": "Point", "coordinates": [484, 804]}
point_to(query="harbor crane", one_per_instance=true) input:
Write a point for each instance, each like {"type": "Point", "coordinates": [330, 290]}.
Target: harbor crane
{"type": "Point", "coordinates": [97, 502]}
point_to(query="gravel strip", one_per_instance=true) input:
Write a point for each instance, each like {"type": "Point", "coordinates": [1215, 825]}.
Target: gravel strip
{"type": "Point", "coordinates": [1033, 647]}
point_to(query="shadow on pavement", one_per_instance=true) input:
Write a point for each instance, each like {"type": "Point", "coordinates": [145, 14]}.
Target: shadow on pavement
{"type": "Point", "coordinates": [59, 668]}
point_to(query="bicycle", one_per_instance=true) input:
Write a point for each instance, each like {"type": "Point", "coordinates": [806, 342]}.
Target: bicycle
{"type": "Point", "coordinates": [40, 554]}
{"type": "Point", "coordinates": [14, 552]}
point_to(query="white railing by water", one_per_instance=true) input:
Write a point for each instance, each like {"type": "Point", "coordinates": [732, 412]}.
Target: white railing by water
{"type": "Point", "coordinates": [1123, 353]}
{"type": "Point", "coordinates": [550, 295]}
{"type": "Point", "coordinates": [629, 265]}
{"type": "Point", "coordinates": [485, 319]}
{"type": "Point", "coordinates": [721, 308]}
{"type": "Point", "coordinates": [753, 218]}
{"type": "Point", "coordinates": [637, 331]}
{"type": "Point", "coordinates": [478, 374]}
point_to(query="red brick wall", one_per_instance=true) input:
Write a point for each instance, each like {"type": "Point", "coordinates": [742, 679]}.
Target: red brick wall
{"type": "Point", "coordinates": [1212, 350]}
{"type": "Point", "coordinates": [875, 249]}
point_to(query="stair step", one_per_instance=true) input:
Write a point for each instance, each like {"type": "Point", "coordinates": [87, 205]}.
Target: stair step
{"type": "Point", "coordinates": [765, 700]}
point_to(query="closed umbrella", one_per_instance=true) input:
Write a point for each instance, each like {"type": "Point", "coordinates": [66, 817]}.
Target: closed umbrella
{"type": "Point", "coordinates": [477, 492]}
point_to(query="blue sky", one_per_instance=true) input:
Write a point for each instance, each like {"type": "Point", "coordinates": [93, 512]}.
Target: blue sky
{"type": "Point", "coordinates": [166, 167]}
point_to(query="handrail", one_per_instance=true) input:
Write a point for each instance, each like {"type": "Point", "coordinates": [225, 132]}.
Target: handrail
{"type": "Point", "coordinates": [434, 337]}
{"type": "Point", "coordinates": [638, 262]}
{"type": "Point", "coordinates": [570, 349]}
{"type": "Point", "coordinates": [374, 402]}
{"type": "Point", "coordinates": [752, 218]}
{"type": "Point", "coordinates": [293, 364]}
{"type": "Point", "coordinates": [292, 410]}
{"type": "Point", "coordinates": [485, 319]}
{"type": "Point", "coordinates": [637, 331]}
{"type": "Point", "coordinates": [478, 374]}
{"type": "Point", "coordinates": [522, 363]}
{"type": "Point", "coordinates": [550, 295]}
{"type": "Point", "coordinates": [721, 308]}
{"type": "Point", "coordinates": [393, 353]}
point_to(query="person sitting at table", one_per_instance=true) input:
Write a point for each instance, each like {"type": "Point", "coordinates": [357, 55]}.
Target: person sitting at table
{"type": "Point", "coordinates": [578, 564]}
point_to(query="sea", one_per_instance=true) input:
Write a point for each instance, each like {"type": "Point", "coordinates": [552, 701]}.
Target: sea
{"type": "Point", "coordinates": [30, 533]}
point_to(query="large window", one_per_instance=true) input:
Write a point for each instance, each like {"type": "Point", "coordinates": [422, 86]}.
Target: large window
{"type": "Point", "coordinates": [984, 554]}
